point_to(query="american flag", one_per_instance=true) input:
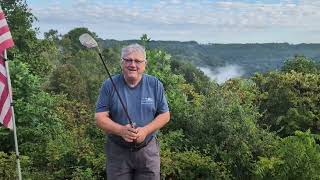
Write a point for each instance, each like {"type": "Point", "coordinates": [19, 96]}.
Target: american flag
{"type": "Point", "coordinates": [6, 41]}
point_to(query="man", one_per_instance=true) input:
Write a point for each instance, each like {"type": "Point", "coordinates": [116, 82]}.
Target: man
{"type": "Point", "coordinates": [132, 152]}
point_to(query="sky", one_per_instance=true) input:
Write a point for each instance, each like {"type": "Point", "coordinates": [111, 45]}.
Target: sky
{"type": "Point", "coordinates": [204, 21]}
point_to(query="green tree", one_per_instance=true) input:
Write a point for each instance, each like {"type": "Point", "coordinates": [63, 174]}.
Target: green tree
{"type": "Point", "coordinates": [187, 164]}
{"type": "Point", "coordinates": [301, 64]}
{"type": "Point", "coordinates": [192, 75]}
{"type": "Point", "coordinates": [144, 40]}
{"type": "Point", "coordinates": [289, 101]}
{"type": "Point", "coordinates": [70, 41]}
{"type": "Point", "coordinates": [31, 50]}
{"type": "Point", "coordinates": [297, 157]}
{"type": "Point", "coordinates": [8, 165]}
{"type": "Point", "coordinates": [67, 79]}
{"type": "Point", "coordinates": [20, 19]}
{"type": "Point", "coordinates": [227, 130]}
{"type": "Point", "coordinates": [53, 35]}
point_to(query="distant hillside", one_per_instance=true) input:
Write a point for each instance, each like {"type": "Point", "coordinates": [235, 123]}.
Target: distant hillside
{"type": "Point", "coordinates": [251, 57]}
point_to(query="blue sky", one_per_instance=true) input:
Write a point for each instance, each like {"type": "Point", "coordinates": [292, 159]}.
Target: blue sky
{"type": "Point", "coordinates": [204, 21]}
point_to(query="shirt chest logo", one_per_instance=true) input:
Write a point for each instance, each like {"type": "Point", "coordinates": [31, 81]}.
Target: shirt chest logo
{"type": "Point", "coordinates": [147, 100]}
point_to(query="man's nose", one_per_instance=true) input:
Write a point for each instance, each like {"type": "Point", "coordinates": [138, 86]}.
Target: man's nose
{"type": "Point", "coordinates": [132, 63]}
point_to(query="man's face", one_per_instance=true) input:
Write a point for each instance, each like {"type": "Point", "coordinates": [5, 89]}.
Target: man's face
{"type": "Point", "coordinates": [133, 66]}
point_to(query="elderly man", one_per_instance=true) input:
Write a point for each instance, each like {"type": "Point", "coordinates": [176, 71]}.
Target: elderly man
{"type": "Point", "coordinates": [132, 152]}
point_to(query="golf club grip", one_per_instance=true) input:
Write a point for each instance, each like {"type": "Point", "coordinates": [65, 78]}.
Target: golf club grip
{"type": "Point", "coordinates": [114, 86]}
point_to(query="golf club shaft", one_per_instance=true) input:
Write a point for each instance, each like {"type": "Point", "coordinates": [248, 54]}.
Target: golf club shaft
{"type": "Point", "coordinates": [114, 86]}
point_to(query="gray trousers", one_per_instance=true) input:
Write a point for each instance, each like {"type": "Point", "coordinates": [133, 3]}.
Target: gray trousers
{"type": "Point", "coordinates": [123, 164]}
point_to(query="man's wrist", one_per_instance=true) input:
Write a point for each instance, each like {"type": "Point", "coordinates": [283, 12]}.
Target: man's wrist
{"type": "Point", "coordinates": [118, 130]}
{"type": "Point", "coordinates": [146, 130]}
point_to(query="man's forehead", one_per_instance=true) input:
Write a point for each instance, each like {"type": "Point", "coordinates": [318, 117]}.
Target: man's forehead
{"type": "Point", "coordinates": [135, 55]}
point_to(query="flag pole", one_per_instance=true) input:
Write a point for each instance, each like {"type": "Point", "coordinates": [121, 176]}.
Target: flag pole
{"type": "Point", "coordinates": [13, 117]}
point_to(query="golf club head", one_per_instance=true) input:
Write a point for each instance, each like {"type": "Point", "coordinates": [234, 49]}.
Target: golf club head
{"type": "Point", "coordinates": [88, 41]}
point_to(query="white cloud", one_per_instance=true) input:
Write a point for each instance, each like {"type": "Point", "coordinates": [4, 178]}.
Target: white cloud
{"type": "Point", "coordinates": [177, 15]}
{"type": "Point", "coordinates": [222, 13]}
{"type": "Point", "coordinates": [222, 74]}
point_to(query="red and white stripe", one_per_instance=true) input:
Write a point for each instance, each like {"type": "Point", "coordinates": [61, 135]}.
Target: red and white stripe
{"type": "Point", "coordinates": [6, 111]}
{"type": "Point", "coordinates": [6, 41]}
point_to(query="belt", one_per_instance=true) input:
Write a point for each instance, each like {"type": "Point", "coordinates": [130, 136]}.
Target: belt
{"type": "Point", "coordinates": [133, 147]}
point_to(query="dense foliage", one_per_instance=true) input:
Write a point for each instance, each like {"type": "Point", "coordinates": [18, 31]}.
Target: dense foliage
{"type": "Point", "coordinates": [263, 127]}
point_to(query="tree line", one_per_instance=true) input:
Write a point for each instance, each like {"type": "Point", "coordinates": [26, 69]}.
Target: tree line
{"type": "Point", "coordinates": [254, 57]}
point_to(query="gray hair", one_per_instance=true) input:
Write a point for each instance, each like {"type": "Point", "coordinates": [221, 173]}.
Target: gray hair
{"type": "Point", "coordinates": [133, 48]}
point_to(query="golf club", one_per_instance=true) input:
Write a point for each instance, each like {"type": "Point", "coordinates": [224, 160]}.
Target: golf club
{"type": "Point", "coordinates": [87, 41]}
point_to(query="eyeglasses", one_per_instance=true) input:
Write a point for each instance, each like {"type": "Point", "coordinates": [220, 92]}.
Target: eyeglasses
{"type": "Point", "coordinates": [135, 61]}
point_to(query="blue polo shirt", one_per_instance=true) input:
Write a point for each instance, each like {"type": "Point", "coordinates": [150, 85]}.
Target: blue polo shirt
{"type": "Point", "coordinates": [144, 102]}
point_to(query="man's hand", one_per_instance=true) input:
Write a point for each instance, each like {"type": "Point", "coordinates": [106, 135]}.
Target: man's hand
{"type": "Point", "coordinates": [128, 133]}
{"type": "Point", "coordinates": [142, 134]}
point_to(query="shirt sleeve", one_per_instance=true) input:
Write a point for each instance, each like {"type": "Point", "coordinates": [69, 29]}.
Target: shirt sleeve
{"type": "Point", "coordinates": [103, 102]}
{"type": "Point", "coordinates": [162, 104]}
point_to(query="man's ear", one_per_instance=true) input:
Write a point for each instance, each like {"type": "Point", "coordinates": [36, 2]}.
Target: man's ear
{"type": "Point", "coordinates": [121, 66]}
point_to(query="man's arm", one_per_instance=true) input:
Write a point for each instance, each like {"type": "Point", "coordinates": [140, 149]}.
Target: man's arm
{"type": "Point", "coordinates": [161, 120]}
{"type": "Point", "coordinates": [104, 122]}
